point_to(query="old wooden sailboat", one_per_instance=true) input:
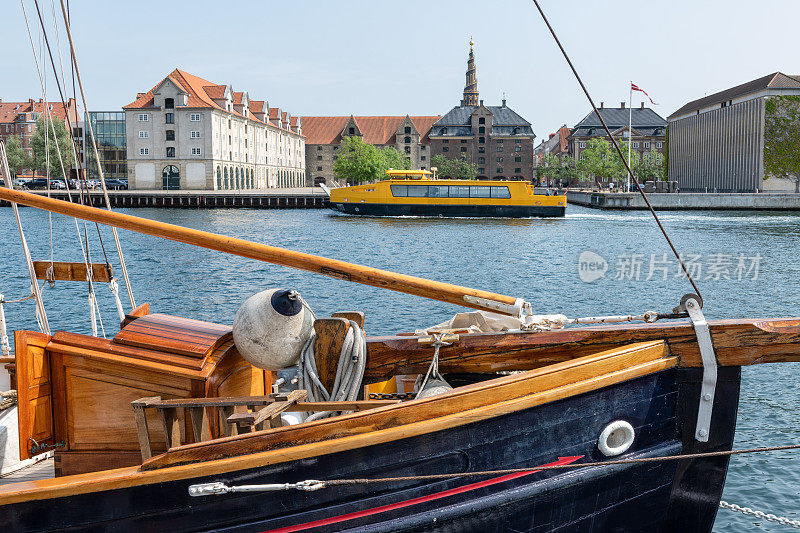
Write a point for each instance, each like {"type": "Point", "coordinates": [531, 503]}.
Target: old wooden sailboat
{"type": "Point", "coordinates": [203, 441]}
{"type": "Point", "coordinates": [554, 424]}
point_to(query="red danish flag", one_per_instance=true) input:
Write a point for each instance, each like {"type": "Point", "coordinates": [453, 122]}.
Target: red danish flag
{"type": "Point", "coordinates": [635, 87]}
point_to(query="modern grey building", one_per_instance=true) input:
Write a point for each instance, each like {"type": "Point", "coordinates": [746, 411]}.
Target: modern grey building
{"type": "Point", "coordinates": [109, 133]}
{"type": "Point", "coordinates": [716, 143]}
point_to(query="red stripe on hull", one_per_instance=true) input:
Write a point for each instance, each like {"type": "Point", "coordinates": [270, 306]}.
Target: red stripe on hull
{"type": "Point", "coordinates": [421, 499]}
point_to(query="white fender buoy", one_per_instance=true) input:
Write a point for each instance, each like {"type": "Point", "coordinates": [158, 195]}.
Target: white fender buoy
{"type": "Point", "coordinates": [271, 327]}
{"type": "Point", "coordinates": [616, 438]}
{"type": "Point", "coordinates": [434, 387]}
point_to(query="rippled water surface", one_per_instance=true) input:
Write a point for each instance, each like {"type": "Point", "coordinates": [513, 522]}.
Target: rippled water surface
{"type": "Point", "coordinates": [531, 258]}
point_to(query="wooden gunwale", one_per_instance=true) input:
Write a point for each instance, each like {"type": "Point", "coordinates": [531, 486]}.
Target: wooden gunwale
{"type": "Point", "coordinates": [621, 369]}
{"type": "Point", "coordinates": [737, 342]}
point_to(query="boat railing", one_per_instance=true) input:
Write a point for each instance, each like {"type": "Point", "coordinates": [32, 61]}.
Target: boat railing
{"type": "Point", "coordinates": [230, 416]}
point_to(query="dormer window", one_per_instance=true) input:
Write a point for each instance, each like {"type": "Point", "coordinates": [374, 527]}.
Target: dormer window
{"type": "Point", "coordinates": [482, 120]}
{"type": "Point", "coordinates": [407, 140]}
{"type": "Point", "coordinates": [408, 130]}
{"type": "Point", "coordinates": [482, 129]}
{"type": "Point", "coordinates": [443, 131]}
{"type": "Point", "coordinates": [169, 103]}
{"type": "Point", "coordinates": [351, 131]}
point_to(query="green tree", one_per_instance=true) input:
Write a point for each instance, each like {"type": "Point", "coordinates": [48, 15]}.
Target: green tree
{"type": "Point", "coordinates": [651, 167]}
{"type": "Point", "coordinates": [782, 139]}
{"type": "Point", "coordinates": [43, 142]}
{"type": "Point", "coordinates": [393, 158]}
{"type": "Point", "coordinates": [453, 168]}
{"type": "Point", "coordinates": [17, 156]}
{"type": "Point", "coordinates": [554, 169]}
{"type": "Point", "coordinates": [600, 160]}
{"type": "Point", "coordinates": [359, 162]}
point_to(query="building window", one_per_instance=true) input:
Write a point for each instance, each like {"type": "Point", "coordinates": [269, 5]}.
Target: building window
{"type": "Point", "coordinates": [319, 148]}
{"type": "Point", "coordinates": [144, 134]}
{"type": "Point", "coordinates": [197, 151]}
{"type": "Point", "coordinates": [319, 168]}
{"type": "Point", "coordinates": [517, 160]}
{"type": "Point", "coordinates": [170, 177]}
{"type": "Point", "coordinates": [518, 141]}
{"type": "Point", "coordinates": [500, 159]}
{"type": "Point", "coordinates": [499, 170]}
{"type": "Point", "coordinates": [647, 144]}
{"type": "Point", "coordinates": [407, 140]}
{"type": "Point", "coordinates": [443, 131]}
{"type": "Point", "coordinates": [482, 120]}
{"type": "Point", "coordinates": [407, 130]}
{"type": "Point", "coordinates": [170, 151]}
{"type": "Point", "coordinates": [319, 158]}
{"type": "Point", "coordinates": [499, 148]}
{"type": "Point", "coordinates": [463, 141]}
{"type": "Point", "coordinates": [517, 171]}
{"type": "Point", "coordinates": [446, 141]}
{"type": "Point", "coordinates": [583, 144]}
{"type": "Point", "coordinates": [351, 131]}
{"type": "Point", "coordinates": [144, 151]}
{"type": "Point", "coordinates": [445, 149]}
{"type": "Point", "coordinates": [170, 118]}
{"type": "Point", "coordinates": [195, 135]}
{"type": "Point", "coordinates": [635, 144]}
{"type": "Point", "coordinates": [422, 158]}
{"type": "Point", "coordinates": [499, 141]}
{"type": "Point", "coordinates": [195, 117]}
{"type": "Point", "coordinates": [659, 145]}
{"type": "Point", "coordinates": [482, 129]}
{"type": "Point", "coordinates": [144, 117]}
{"type": "Point", "coordinates": [481, 149]}
{"type": "Point", "coordinates": [481, 140]}
{"type": "Point", "coordinates": [481, 160]}
{"type": "Point", "coordinates": [408, 149]}
{"type": "Point", "coordinates": [481, 170]}
{"type": "Point", "coordinates": [169, 103]}
{"type": "Point", "coordinates": [518, 148]}
{"type": "Point", "coordinates": [463, 148]}
{"type": "Point", "coordinates": [170, 135]}
{"type": "Point", "coordinates": [422, 147]}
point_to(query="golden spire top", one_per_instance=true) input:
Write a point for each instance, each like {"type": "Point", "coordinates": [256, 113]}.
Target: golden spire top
{"type": "Point", "coordinates": [470, 42]}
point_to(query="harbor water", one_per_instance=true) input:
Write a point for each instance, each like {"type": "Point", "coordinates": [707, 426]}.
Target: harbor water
{"type": "Point", "coordinates": [585, 264]}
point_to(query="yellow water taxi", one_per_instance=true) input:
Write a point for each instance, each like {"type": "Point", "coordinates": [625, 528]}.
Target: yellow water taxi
{"type": "Point", "coordinates": [419, 193]}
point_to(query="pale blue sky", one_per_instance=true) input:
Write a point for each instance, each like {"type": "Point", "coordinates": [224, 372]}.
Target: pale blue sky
{"type": "Point", "coordinates": [393, 58]}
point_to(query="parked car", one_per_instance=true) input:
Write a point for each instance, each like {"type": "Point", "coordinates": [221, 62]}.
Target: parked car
{"type": "Point", "coordinates": [41, 183]}
{"type": "Point", "coordinates": [20, 182]}
{"type": "Point", "coordinates": [115, 184]}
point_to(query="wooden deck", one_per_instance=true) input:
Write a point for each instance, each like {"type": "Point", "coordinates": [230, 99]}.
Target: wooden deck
{"type": "Point", "coordinates": [41, 470]}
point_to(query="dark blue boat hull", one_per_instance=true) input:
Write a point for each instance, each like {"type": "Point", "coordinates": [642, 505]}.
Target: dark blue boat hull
{"type": "Point", "coordinates": [441, 210]}
{"type": "Point", "coordinates": [663, 496]}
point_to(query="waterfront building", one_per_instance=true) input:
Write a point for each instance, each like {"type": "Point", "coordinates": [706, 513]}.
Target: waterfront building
{"type": "Point", "coordinates": [557, 144]}
{"type": "Point", "coordinates": [20, 118]}
{"type": "Point", "coordinates": [109, 133]}
{"type": "Point", "coordinates": [495, 138]}
{"type": "Point", "coordinates": [648, 131]}
{"type": "Point", "coordinates": [190, 133]}
{"type": "Point", "coordinates": [409, 135]}
{"type": "Point", "coordinates": [716, 143]}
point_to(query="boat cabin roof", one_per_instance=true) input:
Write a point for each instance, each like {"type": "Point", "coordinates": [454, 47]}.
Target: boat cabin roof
{"type": "Point", "coordinates": [408, 174]}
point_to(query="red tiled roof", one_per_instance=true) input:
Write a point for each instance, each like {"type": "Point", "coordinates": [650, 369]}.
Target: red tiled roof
{"type": "Point", "coordinates": [257, 106]}
{"type": "Point", "coordinates": [10, 110]}
{"type": "Point", "coordinates": [376, 130]}
{"type": "Point", "coordinates": [201, 94]}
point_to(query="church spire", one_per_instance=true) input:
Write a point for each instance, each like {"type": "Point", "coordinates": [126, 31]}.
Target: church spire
{"type": "Point", "coordinates": [471, 88]}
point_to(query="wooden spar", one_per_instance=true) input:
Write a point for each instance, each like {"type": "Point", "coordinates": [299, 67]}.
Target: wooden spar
{"type": "Point", "coordinates": [334, 268]}
{"type": "Point", "coordinates": [736, 343]}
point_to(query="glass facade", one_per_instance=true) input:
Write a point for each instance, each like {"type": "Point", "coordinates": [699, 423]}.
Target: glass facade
{"type": "Point", "coordinates": [109, 132]}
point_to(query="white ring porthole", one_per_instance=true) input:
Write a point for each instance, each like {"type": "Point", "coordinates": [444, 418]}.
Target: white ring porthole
{"type": "Point", "coordinates": [616, 438]}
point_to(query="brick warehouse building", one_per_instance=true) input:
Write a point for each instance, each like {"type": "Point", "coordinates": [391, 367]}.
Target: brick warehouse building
{"type": "Point", "coordinates": [409, 135]}
{"type": "Point", "coordinates": [19, 118]}
{"type": "Point", "coordinates": [497, 139]}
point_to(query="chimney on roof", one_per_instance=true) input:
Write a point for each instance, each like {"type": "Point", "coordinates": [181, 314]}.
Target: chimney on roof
{"type": "Point", "coordinates": [481, 102]}
{"type": "Point", "coordinates": [642, 106]}
{"type": "Point", "coordinates": [601, 105]}
{"type": "Point", "coordinates": [552, 135]}
{"type": "Point", "coordinates": [622, 105]}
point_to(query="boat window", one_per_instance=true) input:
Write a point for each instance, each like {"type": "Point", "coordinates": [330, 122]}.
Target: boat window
{"type": "Point", "coordinates": [420, 191]}
{"type": "Point", "coordinates": [459, 191]}
{"type": "Point", "coordinates": [399, 190]}
{"type": "Point", "coordinates": [438, 191]}
{"type": "Point", "coordinates": [479, 192]}
{"type": "Point", "coordinates": [500, 192]}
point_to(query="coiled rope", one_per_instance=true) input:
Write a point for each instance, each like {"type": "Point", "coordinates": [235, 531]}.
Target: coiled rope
{"type": "Point", "coordinates": [7, 399]}
{"type": "Point", "coordinates": [349, 371]}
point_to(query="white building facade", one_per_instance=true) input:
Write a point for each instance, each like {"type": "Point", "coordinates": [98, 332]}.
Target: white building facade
{"type": "Point", "coordinates": [188, 133]}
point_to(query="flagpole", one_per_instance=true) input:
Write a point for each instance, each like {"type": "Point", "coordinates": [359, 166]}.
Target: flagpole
{"type": "Point", "coordinates": [630, 135]}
